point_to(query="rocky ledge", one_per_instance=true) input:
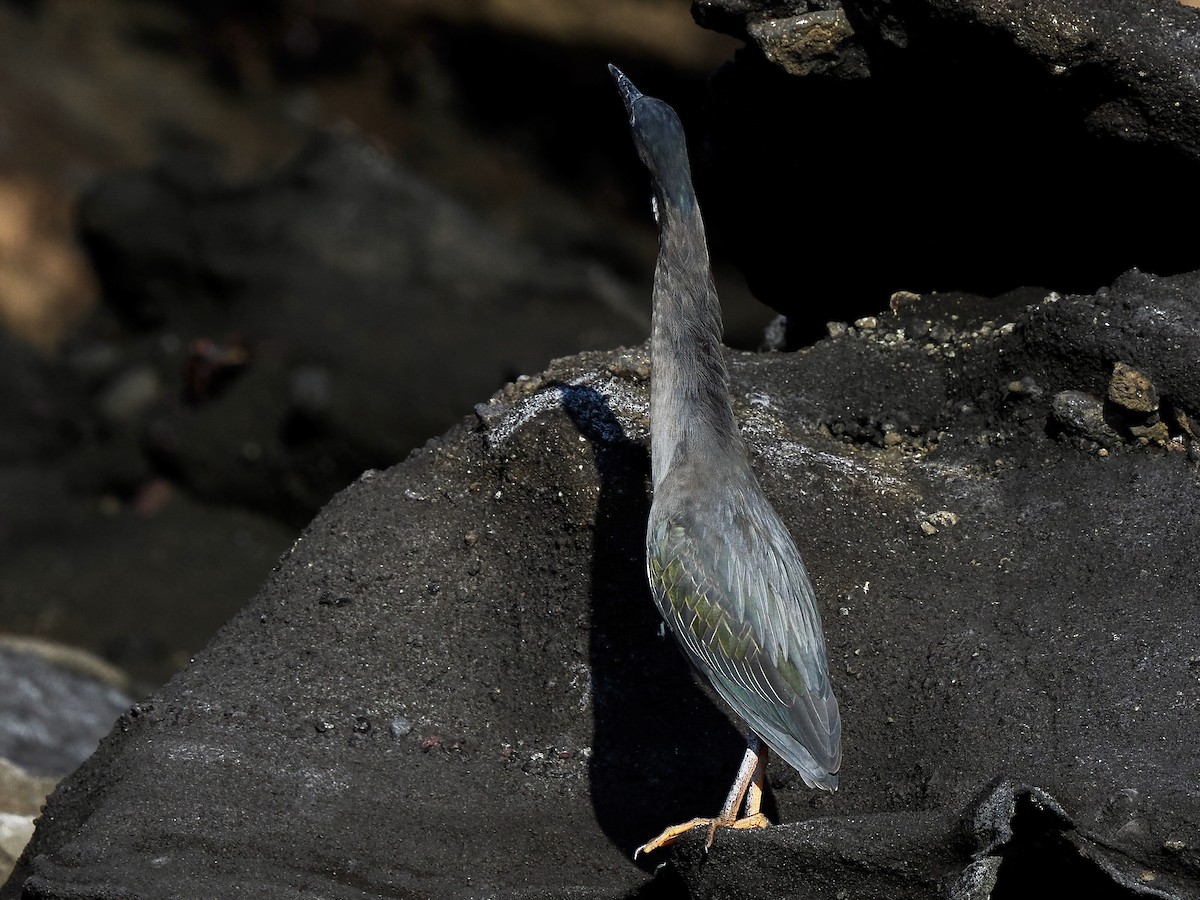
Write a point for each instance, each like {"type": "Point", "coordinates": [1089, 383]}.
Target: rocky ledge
{"type": "Point", "coordinates": [979, 144]}
{"type": "Point", "coordinates": [455, 683]}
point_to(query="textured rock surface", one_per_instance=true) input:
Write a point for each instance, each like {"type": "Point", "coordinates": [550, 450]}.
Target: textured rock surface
{"type": "Point", "coordinates": [275, 337]}
{"type": "Point", "coordinates": [976, 145]}
{"type": "Point", "coordinates": [89, 536]}
{"type": "Point", "coordinates": [293, 298]}
{"type": "Point", "coordinates": [453, 685]}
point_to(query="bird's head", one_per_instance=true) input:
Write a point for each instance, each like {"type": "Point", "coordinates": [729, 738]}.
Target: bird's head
{"type": "Point", "coordinates": [658, 136]}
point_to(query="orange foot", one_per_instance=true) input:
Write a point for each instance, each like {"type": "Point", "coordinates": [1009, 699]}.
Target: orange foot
{"type": "Point", "coordinates": [672, 834]}
{"type": "Point", "coordinates": [747, 786]}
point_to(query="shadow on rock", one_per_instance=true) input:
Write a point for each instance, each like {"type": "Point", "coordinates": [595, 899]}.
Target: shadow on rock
{"type": "Point", "coordinates": [662, 751]}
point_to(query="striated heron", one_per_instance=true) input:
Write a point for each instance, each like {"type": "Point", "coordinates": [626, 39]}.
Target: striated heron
{"type": "Point", "coordinates": [724, 571]}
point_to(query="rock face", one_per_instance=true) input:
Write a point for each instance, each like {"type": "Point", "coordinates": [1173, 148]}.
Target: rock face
{"type": "Point", "coordinates": [884, 130]}
{"type": "Point", "coordinates": [273, 338]}
{"type": "Point", "coordinates": [454, 684]}
{"type": "Point", "coordinates": [293, 298]}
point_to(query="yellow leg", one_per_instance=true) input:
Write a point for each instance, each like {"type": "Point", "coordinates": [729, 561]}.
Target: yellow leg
{"type": "Point", "coordinates": [754, 793]}
{"type": "Point", "coordinates": [747, 786]}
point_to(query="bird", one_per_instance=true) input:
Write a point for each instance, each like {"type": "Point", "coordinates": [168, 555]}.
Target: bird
{"type": "Point", "coordinates": [723, 569]}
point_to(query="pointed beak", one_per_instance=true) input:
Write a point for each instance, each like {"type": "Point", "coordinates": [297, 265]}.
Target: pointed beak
{"type": "Point", "coordinates": [629, 93]}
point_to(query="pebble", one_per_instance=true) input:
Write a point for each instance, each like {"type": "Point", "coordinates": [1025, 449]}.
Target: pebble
{"type": "Point", "coordinates": [1026, 387]}
{"type": "Point", "coordinates": [1187, 424]}
{"type": "Point", "coordinates": [1132, 390]}
{"type": "Point", "coordinates": [1083, 415]}
{"type": "Point", "coordinates": [1155, 433]}
{"type": "Point", "coordinates": [943, 517]}
{"type": "Point", "coordinates": [901, 299]}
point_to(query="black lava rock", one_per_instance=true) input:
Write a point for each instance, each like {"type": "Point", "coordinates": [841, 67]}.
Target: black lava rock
{"type": "Point", "coordinates": [1011, 628]}
{"type": "Point", "coordinates": [940, 144]}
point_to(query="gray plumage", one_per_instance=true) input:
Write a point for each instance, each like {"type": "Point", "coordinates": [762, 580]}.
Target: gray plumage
{"type": "Point", "coordinates": [724, 571]}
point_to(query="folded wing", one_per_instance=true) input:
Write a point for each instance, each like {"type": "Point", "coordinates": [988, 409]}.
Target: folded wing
{"type": "Point", "coordinates": [732, 587]}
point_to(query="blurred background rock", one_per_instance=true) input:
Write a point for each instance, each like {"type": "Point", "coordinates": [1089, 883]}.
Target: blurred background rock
{"type": "Point", "coordinates": [248, 250]}
{"type": "Point", "coordinates": [192, 364]}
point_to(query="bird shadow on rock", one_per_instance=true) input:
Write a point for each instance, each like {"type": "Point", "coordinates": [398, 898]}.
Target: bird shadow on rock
{"type": "Point", "coordinates": [662, 751]}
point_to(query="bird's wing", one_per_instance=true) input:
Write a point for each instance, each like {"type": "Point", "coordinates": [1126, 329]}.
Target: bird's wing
{"type": "Point", "coordinates": [732, 587]}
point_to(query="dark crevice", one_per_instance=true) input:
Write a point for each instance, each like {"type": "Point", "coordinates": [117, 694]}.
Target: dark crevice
{"type": "Point", "coordinates": [1039, 861]}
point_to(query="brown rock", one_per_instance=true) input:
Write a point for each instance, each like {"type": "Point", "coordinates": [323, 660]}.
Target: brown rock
{"type": "Point", "coordinates": [1132, 390]}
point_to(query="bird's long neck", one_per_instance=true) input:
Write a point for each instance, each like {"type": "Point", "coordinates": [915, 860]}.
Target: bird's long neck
{"type": "Point", "coordinates": [690, 413]}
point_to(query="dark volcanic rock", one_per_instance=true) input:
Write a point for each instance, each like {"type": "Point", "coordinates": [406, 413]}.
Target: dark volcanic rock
{"type": "Point", "coordinates": [454, 685]}
{"type": "Point", "coordinates": [262, 343]}
{"type": "Point", "coordinates": [977, 145]}
{"type": "Point", "coordinates": [328, 318]}
{"type": "Point", "coordinates": [1130, 68]}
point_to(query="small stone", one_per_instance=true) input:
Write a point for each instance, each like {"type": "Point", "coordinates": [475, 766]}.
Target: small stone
{"type": "Point", "coordinates": [806, 44]}
{"type": "Point", "coordinates": [1026, 387]}
{"type": "Point", "coordinates": [835, 329]}
{"type": "Point", "coordinates": [1083, 415]}
{"type": "Point", "coordinates": [929, 528]}
{"type": "Point", "coordinates": [1151, 434]}
{"type": "Point", "coordinates": [867, 323]}
{"type": "Point", "coordinates": [631, 364]}
{"type": "Point", "coordinates": [1132, 390]}
{"type": "Point", "coordinates": [901, 299]}
{"type": "Point", "coordinates": [943, 517]}
{"type": "Point", "coordinates": [489, 413]}
{"type": "Point", "coordinates": [1187, 424]}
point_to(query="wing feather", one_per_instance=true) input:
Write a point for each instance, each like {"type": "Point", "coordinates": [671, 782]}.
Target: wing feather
{"type": "Point", "coordinates": [731, 585]}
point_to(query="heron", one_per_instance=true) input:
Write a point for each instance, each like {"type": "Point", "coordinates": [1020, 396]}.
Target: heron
{"type": "Point", "coordinates": [724, 571]}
